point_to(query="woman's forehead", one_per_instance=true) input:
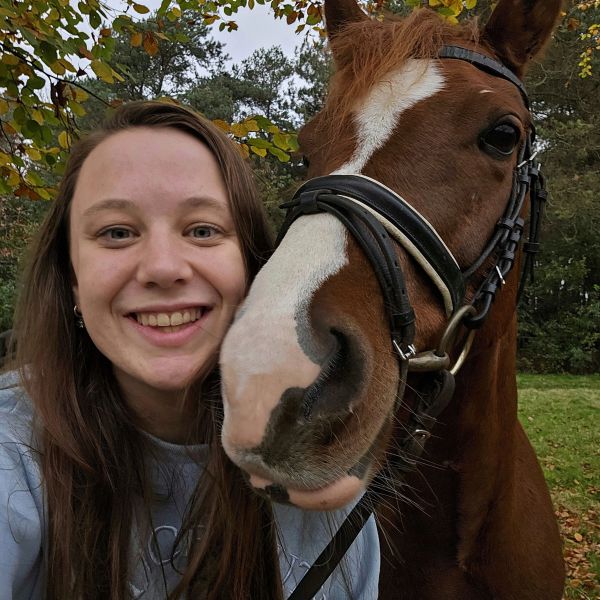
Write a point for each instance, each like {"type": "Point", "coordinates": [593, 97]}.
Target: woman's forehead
{"type": "Point", "coordinates": [145, 161]}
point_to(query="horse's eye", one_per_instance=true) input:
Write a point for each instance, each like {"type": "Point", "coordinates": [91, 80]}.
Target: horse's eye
{"type": "Point", "coordinates": [500, 140]}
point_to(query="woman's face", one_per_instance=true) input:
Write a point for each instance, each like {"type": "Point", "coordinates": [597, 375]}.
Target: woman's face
{"type": "Point", "coordinates": [158, 267]}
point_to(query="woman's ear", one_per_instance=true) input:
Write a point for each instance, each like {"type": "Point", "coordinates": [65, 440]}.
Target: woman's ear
{"type": "Point", "coordinates": [519, 29]}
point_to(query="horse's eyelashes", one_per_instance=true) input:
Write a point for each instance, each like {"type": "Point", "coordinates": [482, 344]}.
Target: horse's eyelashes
{"type": "Point", "coordinates": [500, 140]}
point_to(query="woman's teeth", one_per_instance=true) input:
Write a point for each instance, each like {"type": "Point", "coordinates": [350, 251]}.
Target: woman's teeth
{"type": "Point", "coordinates": [169, 320]}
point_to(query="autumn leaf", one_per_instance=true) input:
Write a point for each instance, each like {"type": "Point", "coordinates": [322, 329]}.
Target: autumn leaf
{"type": "Point", "coordinates": [136, 39]}
{"type": "Point", "coordinates": [140, 8]}
{"type": "Point", "coordinates": [103, 71]}
{"type": "Point", "coordinates": [150, 43]}
{"type": "Point", "coordinates": [64, 139]}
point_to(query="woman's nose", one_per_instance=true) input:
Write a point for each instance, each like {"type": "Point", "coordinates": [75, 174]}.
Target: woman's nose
{"type": "Point", "coordinates": [163, 262]}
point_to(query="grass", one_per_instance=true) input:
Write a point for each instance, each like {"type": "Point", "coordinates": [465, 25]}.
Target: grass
{"type": "Point", "coordinates": [560, 414]}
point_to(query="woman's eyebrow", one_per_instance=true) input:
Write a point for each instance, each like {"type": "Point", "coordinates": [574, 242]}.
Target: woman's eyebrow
{"type": "Point", "coordinates": [109, 204]}
{"type": "Point", "coordinates": [206, 201]}
{"type": "Point", "coordinates": [121, 204]}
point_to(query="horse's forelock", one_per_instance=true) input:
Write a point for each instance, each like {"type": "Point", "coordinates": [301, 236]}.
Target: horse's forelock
{"type": "Point", "coordinates": [367, 51]}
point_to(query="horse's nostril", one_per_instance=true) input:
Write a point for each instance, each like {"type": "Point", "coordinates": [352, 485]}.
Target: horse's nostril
{"type": "Point", "coordinates": [338, 381]}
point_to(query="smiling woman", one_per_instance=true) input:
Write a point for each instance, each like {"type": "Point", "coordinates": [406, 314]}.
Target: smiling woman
{"type": "Point", "coordinates": [113, 482]}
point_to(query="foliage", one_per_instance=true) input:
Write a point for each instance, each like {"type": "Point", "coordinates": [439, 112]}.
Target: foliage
{"type": "Point", "coordinates": [590, 34]}
{"type": "Point", "coordinates": [61, 63]}
{"type": "Point", "coordinates": [570, 458]}
{"type": "Point", "coordinates": [559, 319]}
{"type": "Point", "coordinates": [19, 219]}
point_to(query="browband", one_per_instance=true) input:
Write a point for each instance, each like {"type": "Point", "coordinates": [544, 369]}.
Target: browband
{"type": "Point", "coordinates": [485, 63]}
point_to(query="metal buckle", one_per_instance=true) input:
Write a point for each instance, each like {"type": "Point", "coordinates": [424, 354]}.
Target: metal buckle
{"type": "Point", "coordinates": [412, 351]}
{"type": "Point", "coordinates": [528, 160]}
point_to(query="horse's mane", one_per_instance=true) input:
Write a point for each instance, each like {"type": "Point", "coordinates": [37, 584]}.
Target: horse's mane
{"type": "Point", "coordinates": [368, 50]}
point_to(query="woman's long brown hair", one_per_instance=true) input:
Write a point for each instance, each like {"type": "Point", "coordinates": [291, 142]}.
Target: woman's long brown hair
{"type": "Point", "coordinates": [92, 454]}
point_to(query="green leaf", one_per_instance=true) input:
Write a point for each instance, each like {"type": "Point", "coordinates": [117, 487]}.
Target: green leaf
{"type": "Point", "coordinates": [259, 143]}
{"type": "Point", "coordinates": [95, 20]}
{"type": "Point", "coordinates": [279, 154]}
{"type": "Point", "coordinates": [280, 141]}
{"type": "Point", "coordinates": [20, 115]}
{"type": "Point", "coordinates": [36, 83]}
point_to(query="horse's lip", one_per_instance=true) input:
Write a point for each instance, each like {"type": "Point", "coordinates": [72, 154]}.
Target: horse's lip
{"type": "Point", "coordinates": [335, 495]}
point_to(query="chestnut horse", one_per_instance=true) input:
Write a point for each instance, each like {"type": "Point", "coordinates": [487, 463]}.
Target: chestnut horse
{"type": "Point", "coordinates": [329, 379]}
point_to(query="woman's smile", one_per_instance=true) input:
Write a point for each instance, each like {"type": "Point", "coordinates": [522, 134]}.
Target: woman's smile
{"type": "Point", "coordinates": [170, 329]}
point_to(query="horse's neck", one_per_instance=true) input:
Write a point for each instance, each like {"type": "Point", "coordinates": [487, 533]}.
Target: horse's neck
{"type": "Point", "coordinates": [481, 431]}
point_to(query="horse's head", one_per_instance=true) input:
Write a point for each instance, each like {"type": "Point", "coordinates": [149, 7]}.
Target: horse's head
{"type": "Point", "coordinates": [310, 376]}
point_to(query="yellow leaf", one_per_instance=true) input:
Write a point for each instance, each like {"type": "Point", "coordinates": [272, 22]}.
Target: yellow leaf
{"type": "Point", "coordinates": [67, 65]}
{"type": "Point", "coordinates": [243, 148]}
{"type": "Point", "coordinates": [239, 129]}
{"type": "Point", "coordinates": [76, 108]}
{"type": "Point", "coordinates": [37, 116]}
{"type": "Point", "coordinates": [251, 125]}
{"type": "Point", "coordinates": [103, 71]}
{"type": "Point", "coordinates": [64, 139]}
{"type": "Point", "coordinates": [470, 4]}
{"type": "Point", "coordinates": [175, 11]}
{"type": "Point", "coordinates": [4, 107]}
{"type": "Point", "coordinates": [57, 67]}
{"type": "Point", "coordinates": [280, 141]}
{"type": "Point", "coordinates": [10, 59]}
{"type": "Point", "coordinates": [222, 125]}
{"type": "Point", "coordinates": [140, 8]}
{"type": "Point", "coordinates": [79, 94]}
{"type": "Point", "coordinates": [210, 19]}
{"type": "Point", "coordinates": [260, 151]}
{"type": "Point", "coordinates": [44, 193]}
{"type": "Point", "coordinates": [4, 159]}
{"type": "Point", "coordinates": [13, 178]}
{"type": "Point", "coordinates": [33, 153]}
{"type": "Point", "coordinates": [136, 39]}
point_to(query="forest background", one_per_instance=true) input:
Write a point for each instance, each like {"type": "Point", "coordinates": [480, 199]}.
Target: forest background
{"type": "Point", "coordinates": [63, 64]}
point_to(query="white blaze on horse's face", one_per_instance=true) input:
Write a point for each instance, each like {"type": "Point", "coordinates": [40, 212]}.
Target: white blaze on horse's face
{"type": "Point", "coordinates": [272, 346]}
{"type": "Point", "coordinates": [378, 115]}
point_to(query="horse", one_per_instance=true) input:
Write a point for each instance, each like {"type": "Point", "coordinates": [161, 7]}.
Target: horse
{"type": "Point", "coordinates": [376, 348]}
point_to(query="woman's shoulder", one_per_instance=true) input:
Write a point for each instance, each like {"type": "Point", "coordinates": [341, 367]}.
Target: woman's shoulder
{"type": "Point", "coordinates": [21, 498]}
{"type": "Point", "coordinates": [15, 409]}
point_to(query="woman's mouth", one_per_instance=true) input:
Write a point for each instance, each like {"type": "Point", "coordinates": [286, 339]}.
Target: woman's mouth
{"type": "Point", "coordinates": [169, 322]}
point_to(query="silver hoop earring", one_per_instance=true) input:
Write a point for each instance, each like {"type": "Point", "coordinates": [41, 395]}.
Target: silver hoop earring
{"type": "Point", "coordinates": [78, 318]}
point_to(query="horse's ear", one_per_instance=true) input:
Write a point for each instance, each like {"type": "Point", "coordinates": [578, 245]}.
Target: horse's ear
{"type": "Point", "coordinates": [338, 14]}
{"type": "Point", "coordinates": [519, 29]}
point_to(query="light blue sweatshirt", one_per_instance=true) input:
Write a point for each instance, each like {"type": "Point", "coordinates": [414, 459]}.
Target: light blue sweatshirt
{"type": "Point", "coordinates": [302, 534]}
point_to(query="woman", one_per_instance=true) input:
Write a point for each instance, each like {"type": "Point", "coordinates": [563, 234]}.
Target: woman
{"type": "Point", "coordinates": [113, 483]}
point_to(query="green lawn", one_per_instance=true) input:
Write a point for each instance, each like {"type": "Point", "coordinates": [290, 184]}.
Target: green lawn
{"type": "Point", "coordinates": [562, 418]}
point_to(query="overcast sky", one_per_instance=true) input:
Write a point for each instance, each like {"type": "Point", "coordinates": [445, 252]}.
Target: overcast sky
{"type": "Point", "coordinates": [258, 28]}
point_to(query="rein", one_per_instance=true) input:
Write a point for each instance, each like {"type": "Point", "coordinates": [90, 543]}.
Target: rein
{"type": "Point", "coordinates": [377, 217]}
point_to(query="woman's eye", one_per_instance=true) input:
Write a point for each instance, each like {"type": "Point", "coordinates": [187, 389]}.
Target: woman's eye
{"type": "Point", "coordinates": [500, 139]}
{"type": "Point", "coordinates": [203, 232]}
{"type": "Point", "coordinates": [116, 234]}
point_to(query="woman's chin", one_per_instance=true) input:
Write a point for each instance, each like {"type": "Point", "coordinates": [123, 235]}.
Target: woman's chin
{"type": "Point", "coordinates": [329, 497]}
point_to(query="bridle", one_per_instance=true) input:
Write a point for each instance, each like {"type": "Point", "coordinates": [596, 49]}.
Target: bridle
{"type": "Point", "coordinates": [377, 218]}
